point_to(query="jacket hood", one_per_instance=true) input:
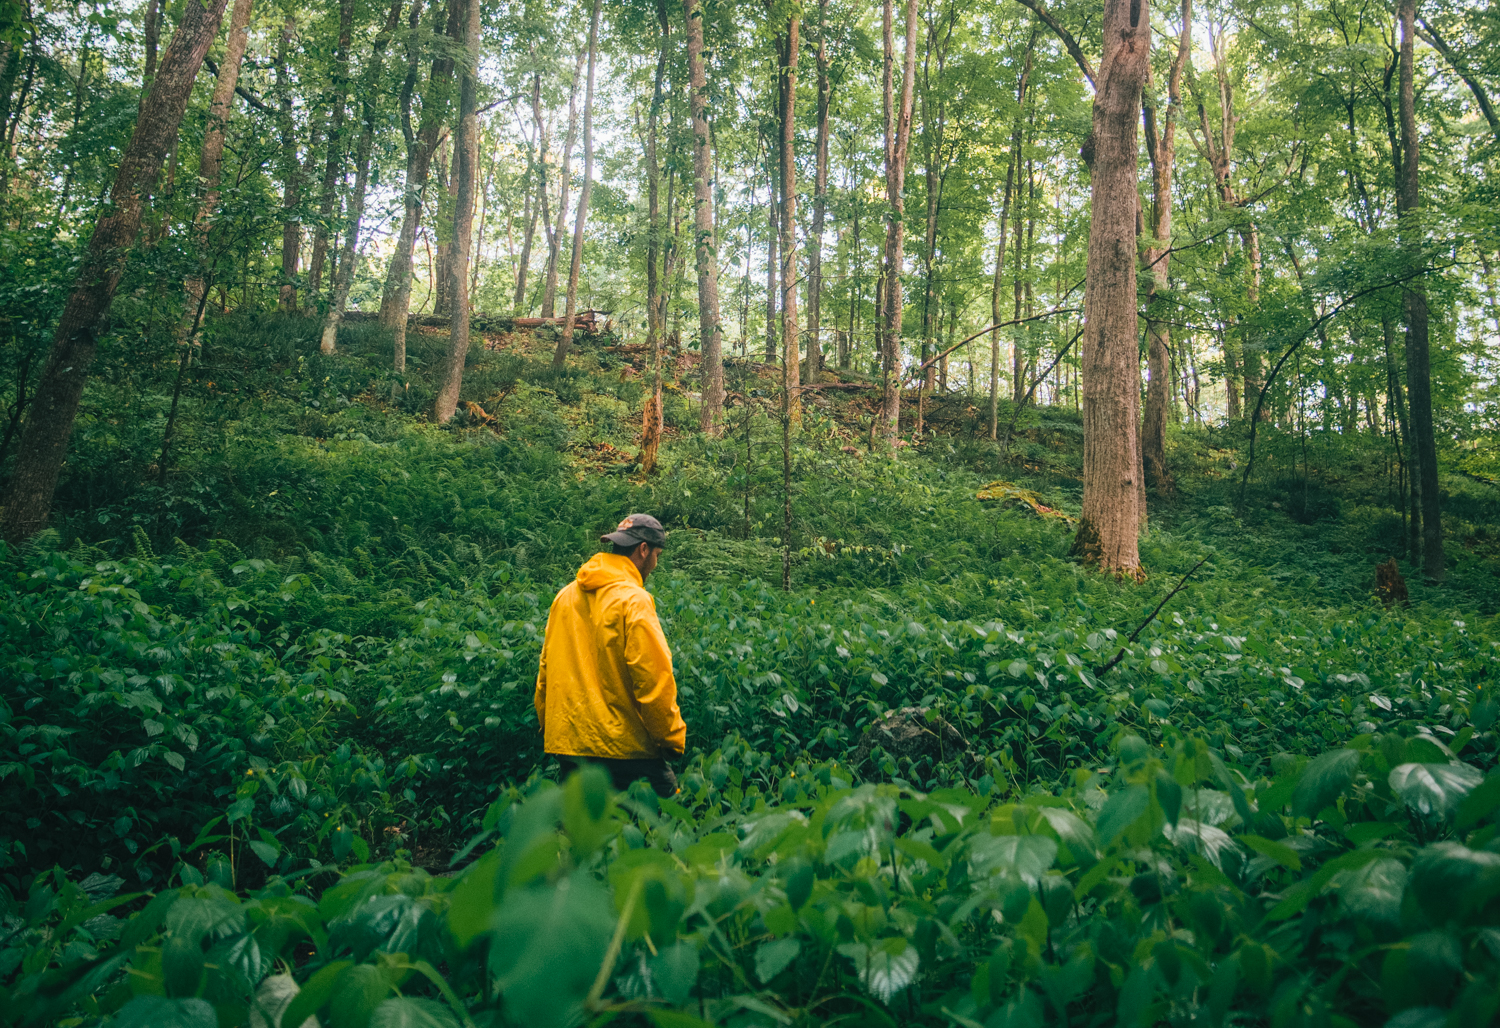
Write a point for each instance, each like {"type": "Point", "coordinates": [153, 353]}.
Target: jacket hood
{"type": "Point", "coordinates": [608, 569]}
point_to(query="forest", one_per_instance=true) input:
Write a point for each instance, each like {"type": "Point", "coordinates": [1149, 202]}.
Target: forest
{"type": "Point", "coordinates": [1076, 428]}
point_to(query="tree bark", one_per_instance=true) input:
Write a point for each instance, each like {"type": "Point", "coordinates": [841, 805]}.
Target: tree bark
{"type": "Point", "coordinates": [465, 175]}
{"type": "Point", "coordinates": [773, 238]}
{"type": "Point", "coordinates": [651, 411]}
{"type": "Point", "coordinates": [820, 206]}
{"type": "Point", "coordinates": [1108, 530]}
{"type": "Point", "coordinates": [344, 268]}
{"type": "Point", "coordinates": [790, 350]}
{"type": "Point", "coordinates": [997, 314]}
{"type": "Point", "coordinates": [580, 221]}
{"type": "Point", "coordinates": [533, 207]}
{"type": "Point", "coordinates": [1414, 299]}
{"type": "Point", "coordinates": [395, 298]}
{"type": "Point", "coordinates": [897, 140]}
{"type": "Point", "coordinates": [335, 164]}
{"type": "Point", "coordinates": [49, 423]}
{"type": "Point", "coordinates": [1162, 148]}
{"type": "Point", "coordinates": [211, 157]}
{"type": "Point", "coordinates": [706, 250]}
{"type": "Point", "coordinates": [565, 184]}
{"type": "Point", "coordinates": [291, 170]}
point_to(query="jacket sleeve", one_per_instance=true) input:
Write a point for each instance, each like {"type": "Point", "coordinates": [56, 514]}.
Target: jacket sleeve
{"type": "Point", "coordinates": [540, 699]}
{"type": "Point", "coordinates": [652, 681]}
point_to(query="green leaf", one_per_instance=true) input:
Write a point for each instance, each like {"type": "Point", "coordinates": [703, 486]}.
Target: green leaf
{"type": "Point", "coordinates": [157, 1012]}
{"type": "Point", "coordinates": [885, 968]}
{"type": "Point", "coordinates": [1121, 811]}
{"type": "Point", "coordinates": [547, 946]}
{"type": "Point", "coordinates": [356, 994]}
{"type": "Point", "coordinates": [1324, 779]}
{"type": "Point", "coordinates": [315, 992]}
{"type": "Point", "coordinates": [1027, 855]}
{"type": "Point", "coordinates": [266, 852]}
{"type": "Point", "coordinates": [674, 971]}
{"type": "Point", "coordinates": [1479, 804]}
{"type": "Point", "coordinates": [1277, 851]}
{"type": "Point", "coordinates": [408, 1012]}
{"type": "Point", "coordinates": [675, 1019]}
{"type": "Point", "coordinates": [1434, 788]}
{"type": "Point", "coordinates": [771, 958]}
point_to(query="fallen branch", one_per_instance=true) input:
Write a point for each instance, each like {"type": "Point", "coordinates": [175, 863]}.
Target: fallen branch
{"type": "Point", "coordinates": [1102, 668]}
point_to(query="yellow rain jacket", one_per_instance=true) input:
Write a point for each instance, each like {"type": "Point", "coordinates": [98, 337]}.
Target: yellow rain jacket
{"type": "Point", "coordinates": [605, 687]}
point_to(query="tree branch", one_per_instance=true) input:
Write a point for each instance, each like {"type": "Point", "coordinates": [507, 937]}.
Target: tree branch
{"type": "Point", "coordinates": [245, 94]}
{"type": "Point", "coordinates": [1063, 34]}
{"type": "Point", "coordinates": [1102, 668]}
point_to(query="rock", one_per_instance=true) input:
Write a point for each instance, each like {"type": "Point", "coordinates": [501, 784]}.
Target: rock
{"type": "Point", "coordinates": [907, 732]}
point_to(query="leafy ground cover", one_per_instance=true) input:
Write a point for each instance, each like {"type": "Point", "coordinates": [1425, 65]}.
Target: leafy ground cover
{"type": "Point", "coordinates": [254, 713]}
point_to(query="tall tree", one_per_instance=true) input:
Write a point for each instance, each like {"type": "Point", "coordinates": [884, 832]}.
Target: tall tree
{"type": "Point", "coordinates": [997, 313]}
{"type": "Point", "coordinates": [421, 145]}
{"type": "Point", "coordinates": [1110, 522]}
{"type": "Point", "coordinates": [211, 157]}
{"type": "Point", "coordinates": [790, 351]}
{"type": "Point", "coordinates": [535, 192]}
{"type": "Point", "coordinates": [557, 234]}
{"type": "Point", "coordinates": [705, 249]}
{"type": "Point", "coordinates": [580, 221]}
{"type": "Point", "coordinates": [1414, 300]}
{"type": "Point", "coordinates": [656, 284]}
{"type": "Point", "coordinates": [49, 422]}
{"type": "Point", "coordinates": [291, 168]}
{"type": "Point", "coordinates": [820, 205]}
{"type": "Point", "coordinates": [1161, 146]}
{"type": "Point", "coordinates": [465, 176]}
{"type": "Point", "coordinates": [333, 168]}
{"type": "Point", "coordinates": [897, 141]}
{"type": "Point", "coordinates": [343, 275]}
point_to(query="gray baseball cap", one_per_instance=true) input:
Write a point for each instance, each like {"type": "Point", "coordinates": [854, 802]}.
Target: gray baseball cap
{"type": "Point", "coordinates": [637, 529]}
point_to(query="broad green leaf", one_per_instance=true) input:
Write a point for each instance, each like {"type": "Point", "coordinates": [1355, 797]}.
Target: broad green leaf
{"type": "Point", "coordinates": [547, 946]}
{"type": "Point", "coordinates": [1434, 788]}
{"type": "Point", "coordinates": [1323, 780]}
{"type": "Point", "coordinates": [356, 994]}
{"type": "Point", "coordinates": [771, 958]}
{"type": "Point", "coordinates": [1026, 855]}
{"type": "Point", "coordinates": [1479, 804]}
{"type": "Point", "coordinates": [674, 971]}
{"type": "Point", "coordinates": [1121, 810]}
{"type": "Point", "coordinates": [157, 1012]}
{"type": "Point", "coordinates": [1444, 874]}
{"type": "Point", "coordinates": [885, 967]}
{"type": "Point", "coordinates": [1277, 851]}
{"type": "Point", "coordinates": [408, 1012]}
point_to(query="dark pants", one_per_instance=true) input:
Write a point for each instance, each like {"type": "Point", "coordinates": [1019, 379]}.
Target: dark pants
{"type": "Point", "coordinates": [624, 772]}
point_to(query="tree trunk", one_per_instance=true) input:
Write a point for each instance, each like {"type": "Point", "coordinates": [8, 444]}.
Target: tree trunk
{"type": "Point", "coordinates": [1162, 149]}
{"type": "Point", "coordinates": [773, 238]}
{"type": "Point", "coordinates": [211, 157]}
{"type": "Point", "coordinates": [465, 175]}
{"type": "Point", "coordinates": [532, 207]}
{"type": "Point", "coordinates": [651, 411]}
{"type": "Point", "coordinates": [335, 165]}
{"type": "Point", "coordinates": [997, 314]}
{"type": "Point", "coordinates": [1109, 528]}
{"type": "Point", "coordinates": [291, 170]}
{"type": "Point", "coordinates": [395, 298]}
{"type": "Point", "coordinates": [706, 251]}
{"type": "Point", "coordinates": [820, 206]}
{"type": "Point", "coordinates": [344, 268]}
{"type": "Point", "coordinates": [580, 221]}
{"type": "Point", "coordinates": [565, 184]}
{"type": "Point", "coordinates": [790, 351]}
{"type": "Point", "coordinates": [49, 424]}
{"type": "Point", "coordinates": [1414, 299]}
{"type": "Point", "coordinates": [897, 139]}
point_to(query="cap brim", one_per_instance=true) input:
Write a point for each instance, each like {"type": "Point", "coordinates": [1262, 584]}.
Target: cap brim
{"type": "Point", "coordinates": [621, 539]}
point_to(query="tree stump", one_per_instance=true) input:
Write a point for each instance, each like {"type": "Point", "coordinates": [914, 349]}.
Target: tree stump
{"type": "Point", "coordinates": [1389, 585]}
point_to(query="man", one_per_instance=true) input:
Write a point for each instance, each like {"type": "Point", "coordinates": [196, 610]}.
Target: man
{"type": "Point", "coordinates": [605, 692]}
